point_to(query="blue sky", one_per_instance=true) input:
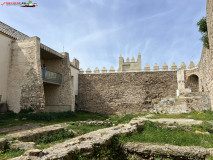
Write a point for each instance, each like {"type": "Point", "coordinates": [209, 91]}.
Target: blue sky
{"type": "Point", "coordinates": [97, 31]}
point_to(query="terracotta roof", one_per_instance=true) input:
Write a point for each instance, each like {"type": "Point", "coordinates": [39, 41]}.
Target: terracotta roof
{"type": "Point", "coordinates": [15, 34]}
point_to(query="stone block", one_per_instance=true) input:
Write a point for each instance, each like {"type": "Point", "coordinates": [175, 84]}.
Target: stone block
{"type": "Point", "coordinates": [156, 67]}
{"type": "Point", "coordinates": [174, 66]}
{"type": "Point", "coordinates": [147, 67]}
{"type": "Point", "coordinates": [175, 152]}
{"type": "Point", "coordinates": [165, 67]}
{"type": "Point", "coordinates": [3, 107]}
{"type": "Point", "coordinates": [183, 65]}
{"type": "Point", "coordinates": [3, 143]}
{"type": "Point", "coordinates": [31, 135]}
{"type": "Point", "coordinates": [88, 71]}
{"type": "Point", "coordinates": [34, 153]}
{"type": "Point", "coordinates": [104, 70]}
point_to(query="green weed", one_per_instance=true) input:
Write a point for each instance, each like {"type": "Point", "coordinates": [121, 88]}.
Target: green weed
{"type": "Point", "coordinates": [54, 137]}
{"type": "Point", "coordinates": [124, 119]}
{"type": "Point", "coordinates": [10, 119]}
{"type": "Point", "coordinates": [10, 154]}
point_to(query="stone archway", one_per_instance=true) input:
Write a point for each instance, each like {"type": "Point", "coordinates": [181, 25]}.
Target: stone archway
{"type": "Point", "coordinates": [193, 83]}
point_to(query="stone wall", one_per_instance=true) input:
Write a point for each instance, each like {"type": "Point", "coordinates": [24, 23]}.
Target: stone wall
{"type": "Point", "coordinates": [25, 85]}
{"type": "Point", "coordinates": [125, 93]}
{"type": "Point", "coordinates": [5, 52]}
{"type": "Point", "coordinates": [206, 61]}
{"type": "Point", "coordinates": [60, 95]}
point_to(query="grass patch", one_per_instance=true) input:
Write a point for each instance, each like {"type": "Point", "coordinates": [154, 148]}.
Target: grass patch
{"type": "Point", "coordinates": [10, 119]}
{"type": "Point", "coordinates": [47, 141]}
{"type": "Point", "coordinates": [204, 127]}
{"type": "Point", "coordinates": [115, 119]}
{"type": "Point", "coordinates": [55, 137]}
{"type": "Point", "coordinates": [2, 135]}
{"type": "Point", "coordinates": [154, 133]}
{"type": "Point", "coordinates": [204, 116]}
{"type": "Point", "coordinates": [10, 154]}
{"type": "Point", "coordinates": [54, 117]}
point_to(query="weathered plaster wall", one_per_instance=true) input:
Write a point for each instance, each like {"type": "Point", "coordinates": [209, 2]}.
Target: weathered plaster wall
{"type": "Point", "coordinates": [60, 95]}
{"type": "Point", "coordinates": [206, 61]}
{"type": "Point", "coordinates": [74, 73]}
{"type": "Point", "coordinates": [190, 80]}
{"type": "Point", "coordinates": [25, 85]}
{"type": "Point", "coordinates": [5, 54]}
{"type": "Point", "coordinates": [181, 79]}
{"type": "Point", "coordinates": [124, 93]}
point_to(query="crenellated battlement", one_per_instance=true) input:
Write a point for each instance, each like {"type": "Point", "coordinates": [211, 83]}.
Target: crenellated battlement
{"type": "Point", "coordinates": [75, 63]}
{"type": "Point", "coordinates": [147, 68]}
{"type": "Point", "coordinates": [135, 66]}
{"type": "Point", "coordinates": [129, 65]}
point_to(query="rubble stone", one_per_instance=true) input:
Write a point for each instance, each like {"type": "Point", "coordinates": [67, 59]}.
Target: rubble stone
{"type": "Point", "coordinates": [30, 135]}
{"type": "Point", "coordinates": [142, 150]}
{"type": "Point", "coordinates": [3, 143]}
{"type": "Point", "coordinates": [102, 137]}
{"type": "Point", "coordinates": [18, 145]}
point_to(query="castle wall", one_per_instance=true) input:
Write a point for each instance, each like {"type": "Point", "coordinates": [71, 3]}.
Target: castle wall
{"type": "Point", "coordinates": [5, 54]}
{"type": "Point", "coordinates": [60, 95]}
{"type": "Point", "coordinates": [125, 92]}
{"type": "Point", "coordinates": [74, 73]}
{"type": "Point", "coordinates": [204, 69]}
{"type": "Point", "coordinates": [25, 85]}
{"type": "Point", "coordinates": [130, 66]}
{"type": "Point", "coordinates": [206, 61]}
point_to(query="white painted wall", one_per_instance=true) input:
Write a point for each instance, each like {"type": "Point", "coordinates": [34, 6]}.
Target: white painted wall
{"type": "Point", "coordinates": [74, 73]}
{"type": "Point", "coordinates": [181, 79]}
{"type": "Point", "coordinates": [5, 54]}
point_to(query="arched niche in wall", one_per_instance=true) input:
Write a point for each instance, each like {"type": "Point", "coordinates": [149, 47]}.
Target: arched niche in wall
{"type": "Point", "coordinates": [193, 83]}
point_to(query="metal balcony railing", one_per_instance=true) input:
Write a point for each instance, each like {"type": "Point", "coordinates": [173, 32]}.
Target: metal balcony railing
{"type": "Point", "coordinates": [51, 77]}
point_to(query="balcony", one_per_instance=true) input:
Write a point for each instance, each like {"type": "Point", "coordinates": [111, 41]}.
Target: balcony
{"type": "Point", "coordinates": [51, 77]}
